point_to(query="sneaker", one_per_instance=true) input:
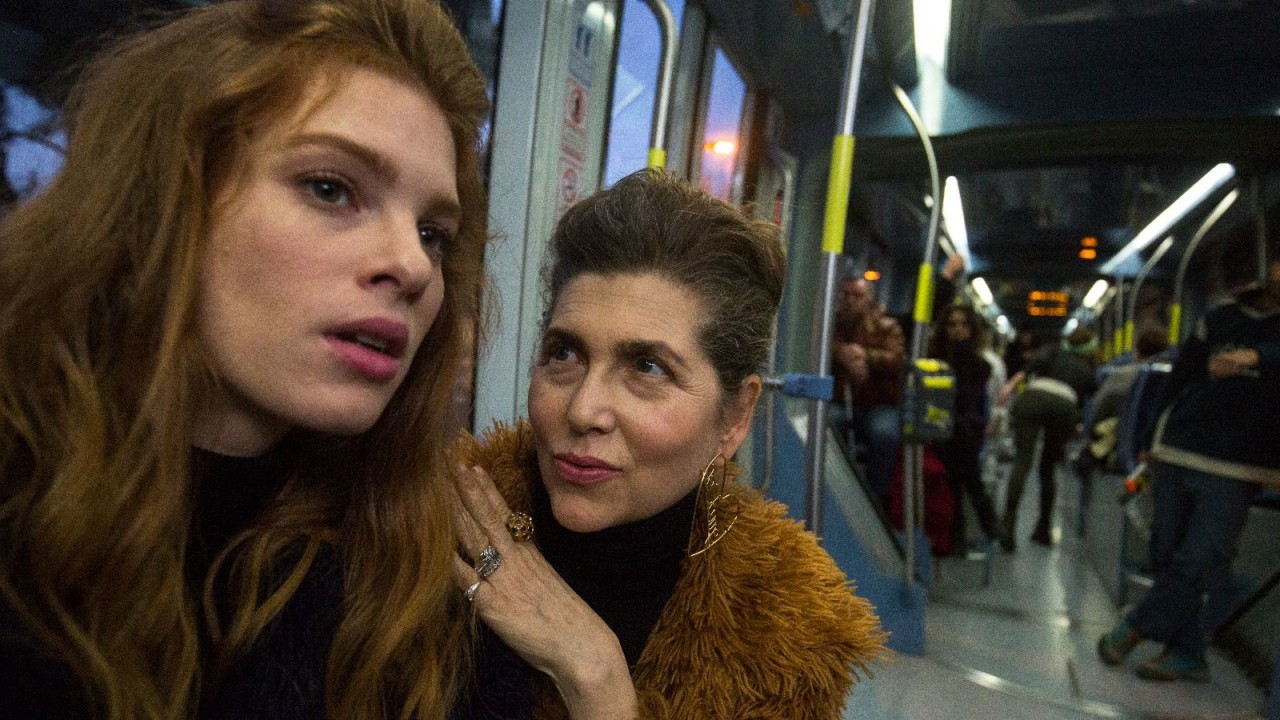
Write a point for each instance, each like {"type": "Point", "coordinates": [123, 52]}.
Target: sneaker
{"type": "Point", "coordinates": [1116, 645]}
{"type": "Point", "coordinates": [1042, 536]}
{"type": "Point", "coordinates": [1168, 666]}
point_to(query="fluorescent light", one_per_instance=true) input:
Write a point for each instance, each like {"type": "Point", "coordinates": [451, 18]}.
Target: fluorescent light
{"type": "Point", "coordinates": [1071, 325]}
{"type": "Point", "coordinates": [984, 291]}
{"type": "Point", "coordinates": [1095, 294]}
{"type": "Point", "coordinates": [1220, 175]}
{"type": "Point", "coordinates": [932, 29]}
{"type": "Point", "coordinates": [953, 216]}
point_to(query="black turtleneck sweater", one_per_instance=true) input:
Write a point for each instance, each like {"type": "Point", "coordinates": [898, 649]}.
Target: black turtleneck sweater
{"type": "Point", "coordinates": [625, 573]}
{"type": "Point", "coordinates": [282, 674]}
{"type": "Point", "coordinates": [228, 494]}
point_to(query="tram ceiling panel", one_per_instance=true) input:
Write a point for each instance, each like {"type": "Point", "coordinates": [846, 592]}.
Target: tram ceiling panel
{"type": "Point", "coordinates": [782, 48]}
{"type": "Point", "coordinates": [795, 50]}
{"type": "Point", "coordinates": [991, 38]}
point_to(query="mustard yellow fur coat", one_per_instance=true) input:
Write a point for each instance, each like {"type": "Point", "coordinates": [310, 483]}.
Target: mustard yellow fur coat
{"type": "Point", "coordinates": [763, 626]}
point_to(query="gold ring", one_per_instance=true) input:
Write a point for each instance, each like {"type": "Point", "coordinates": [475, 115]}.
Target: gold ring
{"type": "Point", "coordinates": [520, 525]}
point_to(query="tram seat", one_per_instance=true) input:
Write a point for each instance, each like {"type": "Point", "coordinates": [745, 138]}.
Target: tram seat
{"type": "Point", "coordinates": [1100, 376]}
{"type": "Point", "coordinates": [1138, 413]}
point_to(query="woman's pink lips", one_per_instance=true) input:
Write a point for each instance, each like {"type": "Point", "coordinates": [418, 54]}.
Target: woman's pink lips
{"type": "Point", "coordinates": [350, 342]}
{"type": "Point", "coordinates": [584, 471]}
{"type": "Point", "coordinates": [367, 362]}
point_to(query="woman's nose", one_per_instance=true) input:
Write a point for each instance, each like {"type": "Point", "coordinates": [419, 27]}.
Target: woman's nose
{"type": "Point", "coordinates": [399, 262]}
{"type": "Point", "coordinates": [591, 405]}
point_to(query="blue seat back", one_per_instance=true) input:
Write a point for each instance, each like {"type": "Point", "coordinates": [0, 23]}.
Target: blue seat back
{"type": "Point", "coordinates": [1139, 413]}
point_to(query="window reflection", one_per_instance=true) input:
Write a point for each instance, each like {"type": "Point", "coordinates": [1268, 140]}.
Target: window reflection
{"type": "Point", "coordinates": [721, 137]}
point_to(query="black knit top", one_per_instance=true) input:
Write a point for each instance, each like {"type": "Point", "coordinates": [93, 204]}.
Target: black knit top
{"type": "Point", "coordinates": [625, 573]}
{"type": "Point", "coordinates": [282, 676]}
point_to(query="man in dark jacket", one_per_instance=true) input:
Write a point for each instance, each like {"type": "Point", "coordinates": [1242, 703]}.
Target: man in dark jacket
{"type": "Point", "coordinates": [1216, 444]}
{"type": "Point", "coordinates": [868, 352]}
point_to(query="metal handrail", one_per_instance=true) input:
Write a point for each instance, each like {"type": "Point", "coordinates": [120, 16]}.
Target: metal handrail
{"type": "Point", "coordinates": [832, 245]}
{"type": "Point", "coordinates": [913, 456]}
{"type": "Point", "coordinates": [1175, 311]}
{"type": "Point", "coordinates": [666, 79]}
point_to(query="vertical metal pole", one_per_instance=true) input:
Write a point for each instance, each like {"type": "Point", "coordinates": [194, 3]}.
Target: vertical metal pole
{"type": "Point", "coordinates": [922, 315]}
{"type": "Point", "coordinates": [1118, 315]}
{"type": "Point", "coordinates": [832, 245]}
{"type": "Point", "coordinates": [666, 77]}
{"type": "Point", "coordinates": [1259, 226]}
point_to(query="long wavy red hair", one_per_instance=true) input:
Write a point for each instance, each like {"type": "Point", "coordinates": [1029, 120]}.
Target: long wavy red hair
{"type": "Point", "coordinates": [101, 368]}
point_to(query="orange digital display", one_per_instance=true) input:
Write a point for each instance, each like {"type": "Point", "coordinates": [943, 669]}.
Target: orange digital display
{"type": "Point", "coordinates": [1047, 303]}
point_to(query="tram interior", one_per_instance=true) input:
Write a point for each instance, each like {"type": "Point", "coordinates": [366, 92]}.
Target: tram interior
{"type": "Point", "coordinates": [1067, 127]}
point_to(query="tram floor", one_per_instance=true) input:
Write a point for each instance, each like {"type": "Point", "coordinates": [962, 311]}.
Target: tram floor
{"type": "Point", "coordinates": [1023, 646]}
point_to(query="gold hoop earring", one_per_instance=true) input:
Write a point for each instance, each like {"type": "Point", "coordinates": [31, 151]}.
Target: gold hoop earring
{"type": "Point", "coordinates": [715, 511]}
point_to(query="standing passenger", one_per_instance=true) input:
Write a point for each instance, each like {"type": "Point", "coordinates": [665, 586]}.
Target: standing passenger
{"type": "Point", "coordinates": [1214, 448]}
{"type": "Point", "coordinates": [1060, 380]}
{"type": "Point", "coordinates": [957, 341]}
{"type": "Point", "coordinates": [637, 574]}
{"type": "Point", "coordinates": [231, 327]}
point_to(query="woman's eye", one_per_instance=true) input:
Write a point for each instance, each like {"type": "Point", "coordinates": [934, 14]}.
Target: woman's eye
{"type": "Point", "coordinates": [649, 366]}
{"type": "Point", "coordinates": [556, 354]}
{"type": "Point", "coordinates": [330, 191]}
{"type": "Point", "coordinates": [434, 239]}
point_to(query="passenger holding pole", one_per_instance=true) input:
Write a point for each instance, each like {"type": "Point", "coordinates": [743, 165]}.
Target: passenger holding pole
{"type": "Point", "coordinates": [868, 351]}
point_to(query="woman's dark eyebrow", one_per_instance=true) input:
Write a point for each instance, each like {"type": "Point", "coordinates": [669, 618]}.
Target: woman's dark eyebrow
{"type": "Point", "coordinates": [376, 162]}
{"type": "Point", "coordinates": [380, 165]}
{"type": "Point", "coordinates": [562, 336]}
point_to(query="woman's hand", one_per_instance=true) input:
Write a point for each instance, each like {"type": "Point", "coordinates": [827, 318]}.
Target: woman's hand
{"type": "Point", "coordinates": [1230, 363]}
{"type": "Point", "coordinates": [1006, 392]}
{"type": "Point", "coordinates": [527, 604]}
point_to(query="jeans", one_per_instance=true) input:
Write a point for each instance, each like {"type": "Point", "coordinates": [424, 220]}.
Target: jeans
{"type": "Point", "coordinates": [880, 428]}
{"type": "Point", "coordinates": [1198, 518]}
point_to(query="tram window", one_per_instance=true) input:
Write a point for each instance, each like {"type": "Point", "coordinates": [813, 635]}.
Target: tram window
{"type": "Point", "coordinates": [721, 134]}
{"type": "Point", "coordinates": [480, 22]}
{"type": "Point", "coordinates": [30, 145]}
{"type": "Point", "coordinates": [635, 80]}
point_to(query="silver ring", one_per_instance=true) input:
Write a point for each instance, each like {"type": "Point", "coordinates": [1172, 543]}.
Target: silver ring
{"type": "Point", "coordinates": [488, 562]}
{"type": "Point", "coordinates": [470, 593]}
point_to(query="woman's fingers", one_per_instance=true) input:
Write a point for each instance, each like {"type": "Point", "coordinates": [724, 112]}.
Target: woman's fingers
{"type": "Point", "coordinates": [471, 536]}
{"type": "Point", "coordinates": [469, 582]}
{"type": "Point", "coordinates": [485, 506]}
